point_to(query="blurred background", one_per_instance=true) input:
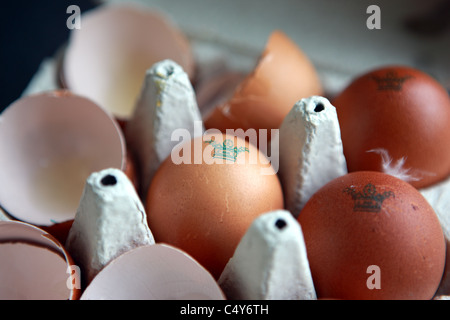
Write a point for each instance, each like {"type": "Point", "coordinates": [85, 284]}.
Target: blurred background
{"type": "Point", "coordinates": [29, 32]}
{"type": "Point", "coordinates": [333, 34]}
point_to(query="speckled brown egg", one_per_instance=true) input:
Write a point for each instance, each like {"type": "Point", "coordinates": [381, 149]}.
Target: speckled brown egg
{"type": "Point", "coordinates": [370, 235]}
{"type": "Point", "coordinates": [396, 119]}
{"type": "Point", "coordinates": [206, 194]}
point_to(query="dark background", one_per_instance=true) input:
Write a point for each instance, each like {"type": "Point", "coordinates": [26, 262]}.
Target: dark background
{"type": "Point", "coordinates": [29, 32]}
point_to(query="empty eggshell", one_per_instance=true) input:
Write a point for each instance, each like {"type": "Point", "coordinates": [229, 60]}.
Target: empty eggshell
{"type": "Point", "coordinates": [153, 272]}
{"type": "Point", "coordinates": [283, 75]}
{"type": "Point", "coordinates": [107, 58]}
{"type": "Point", "coordinates": [34, 265]}
{"type": "Point", "coordinates": [50, 144]}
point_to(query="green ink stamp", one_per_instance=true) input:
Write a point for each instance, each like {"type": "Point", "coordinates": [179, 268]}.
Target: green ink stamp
{"type": "Point", "coordinates": [226, 150]}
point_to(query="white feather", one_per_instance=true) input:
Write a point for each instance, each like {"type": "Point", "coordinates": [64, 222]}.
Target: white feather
{"type": "Point", "coordinates": [397, 169]}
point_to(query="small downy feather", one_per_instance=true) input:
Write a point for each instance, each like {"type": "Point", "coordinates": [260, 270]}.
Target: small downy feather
{"type": "Point", "coordinates": [397, 168]}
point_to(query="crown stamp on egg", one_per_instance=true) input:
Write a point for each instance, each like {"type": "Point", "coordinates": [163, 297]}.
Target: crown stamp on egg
{"type": "Point", "coordinates": [226, 150]}
{"type": "Point", "coordinates": [391, 81]}
{"type": "Point", "coordinates": [368, 200]}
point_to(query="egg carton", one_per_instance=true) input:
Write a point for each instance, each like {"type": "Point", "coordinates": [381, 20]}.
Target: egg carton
{"type": "Point", "coordinates": [247, 274]}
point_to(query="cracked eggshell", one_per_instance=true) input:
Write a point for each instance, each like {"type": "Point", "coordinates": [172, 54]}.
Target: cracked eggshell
{"type": "Point", "coordinates": [51, 142]}
{"type": "Point", "coordinates": [204, 204]}
{"type": "Point", "coordinates": [107, 58]}
{"type": "Point", "coordinates": [396, 119]}
{"type": "Point", "coordinates": [34, 265]}
{"type": "Point", "coordinates": [282, 76]}
{"type": "Point", "coordinates": [153, 272]}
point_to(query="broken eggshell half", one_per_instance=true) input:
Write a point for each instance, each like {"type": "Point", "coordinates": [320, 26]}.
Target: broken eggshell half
{"type": "Point", "coordinates": [34, 265]}
{"type": "Point", "coordinates": [283, 75]}
{"type": "Point", "coordinates": [50, 144]}
{"type": "Point", "coordinates": [107, 58]}
{"type": "Point", "coordinates": [153, 272]}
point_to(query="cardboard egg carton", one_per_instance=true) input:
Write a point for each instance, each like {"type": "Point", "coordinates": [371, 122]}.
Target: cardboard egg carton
{"type": "Point", "coordinates": [222, 48]}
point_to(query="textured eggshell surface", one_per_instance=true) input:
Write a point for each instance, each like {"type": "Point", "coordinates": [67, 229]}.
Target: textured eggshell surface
{"type": "Point", "coordinates": [396, 119]}
{"type": "Point", "coordinates": [206, 208]}
{"type": "Point", "coordinates": [369, 235]}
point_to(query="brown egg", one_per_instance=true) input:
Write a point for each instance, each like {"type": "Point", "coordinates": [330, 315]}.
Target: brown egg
{"type": "Point", "coordinates": [370, 235]}
{"type": "Point", "coordinates": [396, 119]}
{"type": "Point", "coordinates": [283, 75]}
{"type": "Point", "coordinates": [206, 208]}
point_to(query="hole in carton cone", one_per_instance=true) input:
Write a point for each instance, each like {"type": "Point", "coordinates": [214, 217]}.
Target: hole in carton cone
{"type": "Point", "coordinates": [319, 107]}
{"type": "Point", "coordinates": [280, 224]}
{"type": "Point", "coordinates": [109, 180]}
